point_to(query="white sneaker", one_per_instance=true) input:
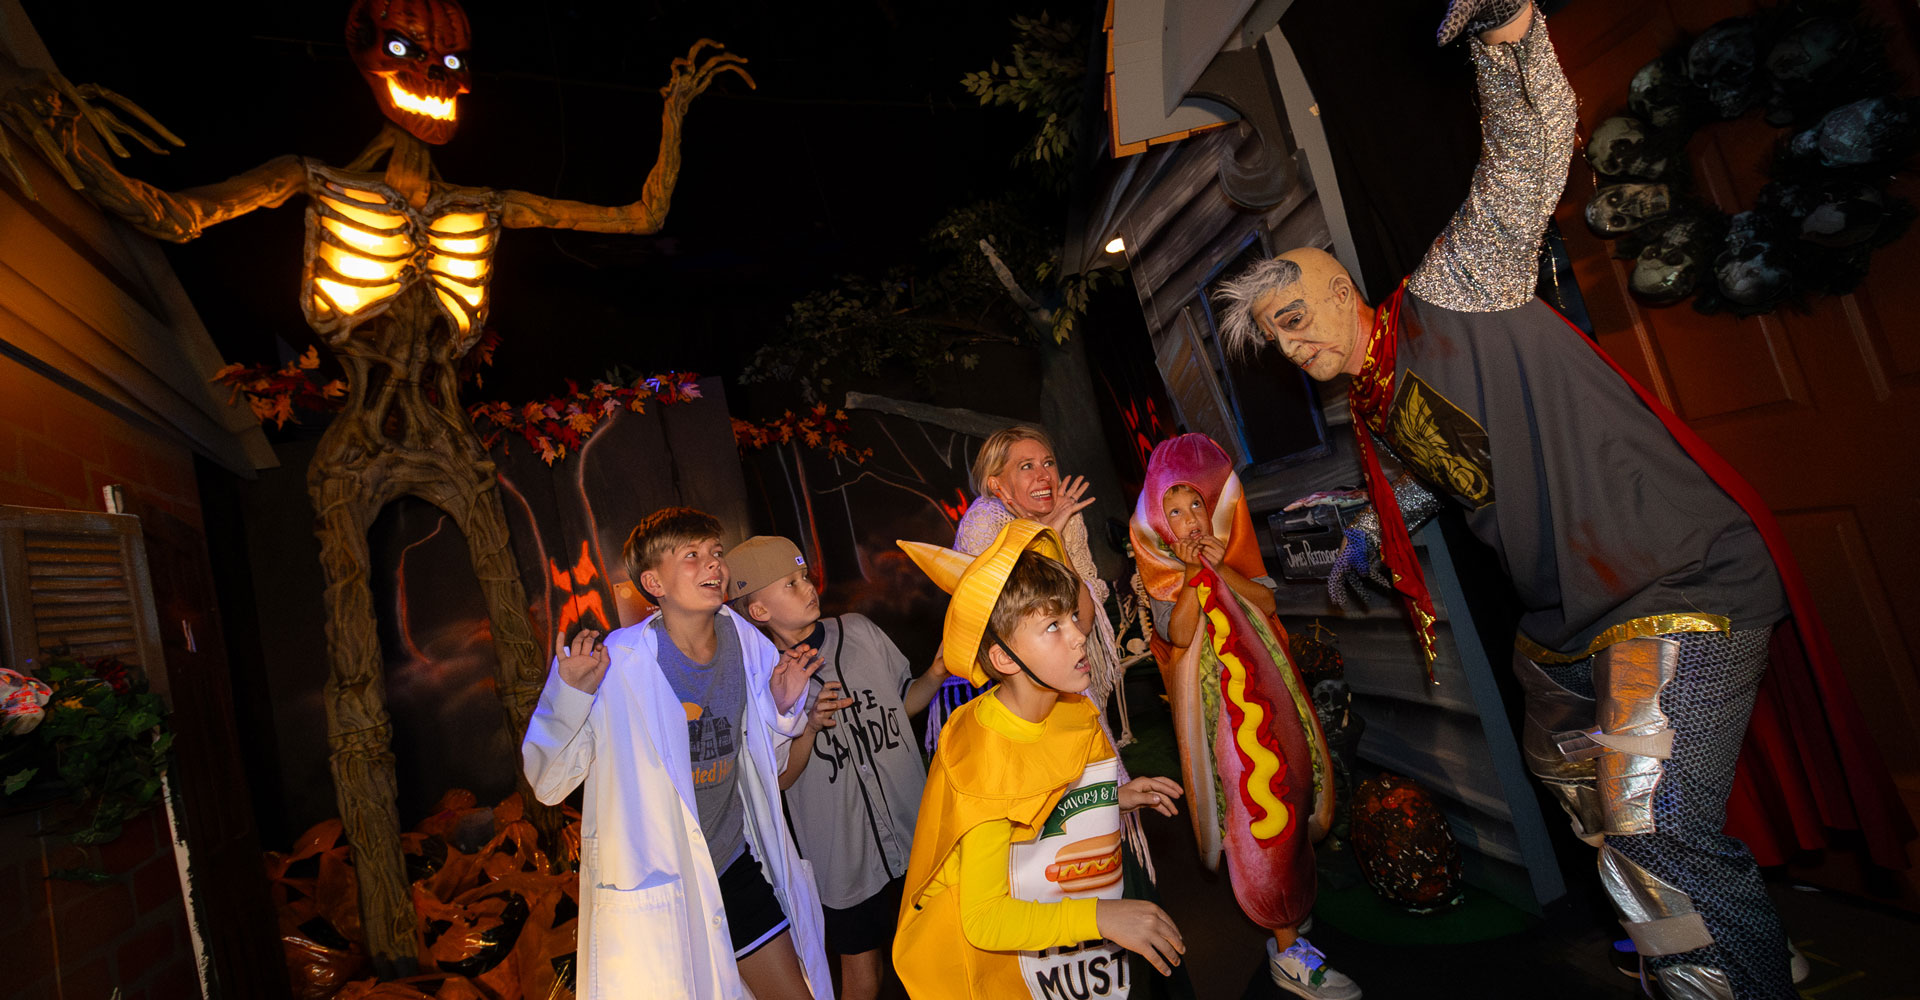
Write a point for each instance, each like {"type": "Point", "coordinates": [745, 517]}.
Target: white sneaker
{"type": "Point", "coordinates": [1798, 965]}
{"type": "Point", "coordinates": [1304, 971]}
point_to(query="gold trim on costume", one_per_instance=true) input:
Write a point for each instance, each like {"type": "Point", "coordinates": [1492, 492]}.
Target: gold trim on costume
{"type": "Point", "coordinates": [1639, 628]}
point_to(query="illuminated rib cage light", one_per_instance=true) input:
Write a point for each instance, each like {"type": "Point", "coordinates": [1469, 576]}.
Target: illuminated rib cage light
{"type": "Point", "coordinates": [366, 246]}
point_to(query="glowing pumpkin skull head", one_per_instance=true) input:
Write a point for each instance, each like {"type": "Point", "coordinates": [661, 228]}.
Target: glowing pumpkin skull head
{"type": "Point", "coordinates": [413, 55]}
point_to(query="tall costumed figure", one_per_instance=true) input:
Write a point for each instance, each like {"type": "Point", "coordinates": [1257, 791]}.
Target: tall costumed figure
{"type": "Point", "coordinates": [398, 265]}
{"type": "Point", "coordinates": [1651, 575]}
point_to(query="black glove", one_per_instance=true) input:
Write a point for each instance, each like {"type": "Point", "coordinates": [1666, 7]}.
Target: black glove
{"type": "Point", "coordinates": [1475, 16]}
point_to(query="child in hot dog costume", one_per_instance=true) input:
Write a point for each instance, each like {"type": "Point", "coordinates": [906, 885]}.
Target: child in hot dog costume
{"type": "Point", "coordinates": [1013, 886]}
{"type": "Point", "coordinates": [1253, 756]}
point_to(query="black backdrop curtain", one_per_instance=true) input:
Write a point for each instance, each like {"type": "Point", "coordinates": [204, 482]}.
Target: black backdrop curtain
{"type": "Point", "coordinates": [1401, 119]}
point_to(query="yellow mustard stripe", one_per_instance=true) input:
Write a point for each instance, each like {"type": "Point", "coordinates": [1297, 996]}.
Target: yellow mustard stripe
{"type": "Point", "coordinates": [1639, 628]}
{"type": "Point", "coordinates": [1259, 777]}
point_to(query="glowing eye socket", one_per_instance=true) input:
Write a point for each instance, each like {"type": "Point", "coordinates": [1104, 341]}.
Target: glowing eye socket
{"type": "Point", "coordinates": [397, 47]}
{"type": "Point", "coordinates": [453, 62]}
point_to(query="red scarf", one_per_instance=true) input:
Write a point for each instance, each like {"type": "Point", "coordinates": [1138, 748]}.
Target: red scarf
{"type": "Point", "coordinates": [1371, 396]}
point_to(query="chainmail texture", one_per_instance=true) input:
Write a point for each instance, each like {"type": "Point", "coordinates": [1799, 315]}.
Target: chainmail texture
{"type": "Point", "coordinates": [1359, 556]}
{"type": "Point", "coordinates": [1708, 704]}
{"type": "Point", "coordinates": [1487, 259]}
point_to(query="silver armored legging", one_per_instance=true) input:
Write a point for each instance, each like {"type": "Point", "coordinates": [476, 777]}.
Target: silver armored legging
{"type": "Point", "coordinates": [1639, 745]}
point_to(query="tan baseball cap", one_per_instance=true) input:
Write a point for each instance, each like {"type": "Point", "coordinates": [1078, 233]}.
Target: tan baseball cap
{"type": "Point", "coordinates": [761, 560]}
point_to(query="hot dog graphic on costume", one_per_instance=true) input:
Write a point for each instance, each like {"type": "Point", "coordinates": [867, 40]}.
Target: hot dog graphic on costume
{"type": "Point", "coordinates": [1086, 865]}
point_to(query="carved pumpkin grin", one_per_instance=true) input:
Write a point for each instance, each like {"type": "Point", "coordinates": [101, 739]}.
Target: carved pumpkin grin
{"type": "Point", "coordinates": [437, 108]}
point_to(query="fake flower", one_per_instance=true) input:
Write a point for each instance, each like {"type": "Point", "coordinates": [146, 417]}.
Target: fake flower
{"type": "Point", "coordinates": [23, 702]}
{"type": "Point", "coordinates": [92, 729]}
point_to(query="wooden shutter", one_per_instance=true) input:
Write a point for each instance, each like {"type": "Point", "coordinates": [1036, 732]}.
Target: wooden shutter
{"type": "Point", "coordinates": [77, 579]}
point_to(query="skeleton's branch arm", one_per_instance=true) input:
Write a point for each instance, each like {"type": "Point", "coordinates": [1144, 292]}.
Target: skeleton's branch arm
{"type": "Point", "coordinates": [522, 210]}
{"type": "Point", "coordinates": [182, 216]}
{"type": "Point", "coordinates": [692, 74]}
{"type": "Point", "coordinates": [76, 128]}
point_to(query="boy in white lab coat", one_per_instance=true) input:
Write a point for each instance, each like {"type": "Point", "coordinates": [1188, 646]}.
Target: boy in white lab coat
{"type": "Point", "coordinates": [690, 884]}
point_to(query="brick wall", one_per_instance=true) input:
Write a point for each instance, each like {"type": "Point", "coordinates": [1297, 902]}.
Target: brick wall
{"type": "Point", "coordinates": [75, 941]}
{"type": "Point", "coordinates": [57, 449]}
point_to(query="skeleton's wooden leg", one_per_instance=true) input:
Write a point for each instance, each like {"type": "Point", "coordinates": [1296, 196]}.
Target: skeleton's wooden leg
{"type": "Point", "coordinates": [358, 729]}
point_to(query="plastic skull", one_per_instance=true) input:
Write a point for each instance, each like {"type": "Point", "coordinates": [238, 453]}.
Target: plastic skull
{"type": "Point", "coordinates": [1668, 269]}
{"type": "Point", "coordinates": [1809, 51]}
{"type": "Point", "coordinates": [1835, 213]}
{"type": "Point", "coordinates": [1753, 269]}
{"type": "Point", "coordinates": [1333, 702]}
{"type": "Point", "coordinates": [1621, 208]}
{"type": "Point", "coordinates": [1658, 93]}
{"type": "Point", "coordinates": [1725, 62]}
{"type": "Point", "coordinates": [1619, 148]}
{"type": "Point", "coordinates": [1855, 134]}
{"type": "Point", "coordinates": [413, 53]}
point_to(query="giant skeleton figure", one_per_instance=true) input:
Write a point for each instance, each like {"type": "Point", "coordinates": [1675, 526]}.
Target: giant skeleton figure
{"type": "Point", "coordinates": [1649, 591]}
{"type": "Point", "coordinates": [396, 281]}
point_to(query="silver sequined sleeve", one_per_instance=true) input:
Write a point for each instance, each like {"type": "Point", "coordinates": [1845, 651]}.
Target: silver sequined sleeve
{"type": "Point", "coordinates": [1487, 258]}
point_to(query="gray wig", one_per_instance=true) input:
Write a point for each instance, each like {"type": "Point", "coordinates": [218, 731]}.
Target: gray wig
{"type": "Point", "coordinates": [1233, 301]}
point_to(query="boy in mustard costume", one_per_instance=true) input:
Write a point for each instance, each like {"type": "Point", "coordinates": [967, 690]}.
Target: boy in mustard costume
{"type": "Point", "coordinates": [1014, 883]}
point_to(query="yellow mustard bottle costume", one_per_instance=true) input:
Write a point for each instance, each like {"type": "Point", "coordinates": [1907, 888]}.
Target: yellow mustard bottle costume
{"type": "Point", "coordinates": [1055, 782]}
{"type": "Point", "coordinates": [1019, 829]}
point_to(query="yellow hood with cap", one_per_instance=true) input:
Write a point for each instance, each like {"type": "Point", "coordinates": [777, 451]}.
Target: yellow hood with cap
{"type": "Point", "coordinates": [975, 583]}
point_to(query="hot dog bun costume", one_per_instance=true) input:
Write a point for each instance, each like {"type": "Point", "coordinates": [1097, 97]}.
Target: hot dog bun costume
{"type": "Point", "coordinates": [1056, 781]}
{"type": "Point", "coordinates": [1253, 758]}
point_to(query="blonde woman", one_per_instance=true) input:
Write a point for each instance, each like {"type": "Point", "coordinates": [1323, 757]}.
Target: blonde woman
{"type": "Point", "coordinates": [1016, 476]}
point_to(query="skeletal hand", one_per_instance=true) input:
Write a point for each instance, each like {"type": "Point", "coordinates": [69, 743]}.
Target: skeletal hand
{"type": "Point", "coordinates": [692, 75]}
{"type": "Point", "coordinates": [48, 109]}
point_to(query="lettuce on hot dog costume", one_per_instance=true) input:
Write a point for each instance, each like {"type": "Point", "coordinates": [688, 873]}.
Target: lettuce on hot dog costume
{"type": "Point", "coordinates": [1027, 811]}
{"type": "Point", "coordinates": [1251, 750]}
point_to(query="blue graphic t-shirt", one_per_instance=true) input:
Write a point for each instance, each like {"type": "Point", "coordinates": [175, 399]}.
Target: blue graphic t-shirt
{"type": "Point", "coordinates": [714, 695]}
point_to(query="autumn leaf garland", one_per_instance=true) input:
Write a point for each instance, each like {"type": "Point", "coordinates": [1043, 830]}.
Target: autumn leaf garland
{"type": "Point", "coordinates": [815, 428]}
{"type": "Point", "coordinates": [561, 424]}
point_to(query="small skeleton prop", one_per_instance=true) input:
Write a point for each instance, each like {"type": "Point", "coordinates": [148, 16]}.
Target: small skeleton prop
{"type": "Point", "coordinates": [398, 264]}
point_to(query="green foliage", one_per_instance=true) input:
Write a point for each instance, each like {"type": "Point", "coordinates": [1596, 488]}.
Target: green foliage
{"type": "Point", "coordinates": [1045, 78]}
{"type": "Point", "coordinates": [103, 737]}
{"type": "Point", "coordinates": [922, 317]}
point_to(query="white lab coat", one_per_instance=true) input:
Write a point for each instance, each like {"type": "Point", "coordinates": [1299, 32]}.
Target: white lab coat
{"type": "Point", "coordinates": [651, 921]}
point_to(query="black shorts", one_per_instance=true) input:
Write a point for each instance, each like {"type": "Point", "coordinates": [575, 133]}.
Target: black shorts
{"type": "Point", "coordinates": [753, 912]}
{"type": "Point", "coordinates": [865, 925]}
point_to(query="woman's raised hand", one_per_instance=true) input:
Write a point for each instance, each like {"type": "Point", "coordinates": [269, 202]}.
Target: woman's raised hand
{"type": "Point", "coordinates": [1071, 500]}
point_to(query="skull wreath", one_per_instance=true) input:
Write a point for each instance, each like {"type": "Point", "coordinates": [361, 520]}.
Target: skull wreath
{"type": "Point", "coordinates": [1821, 74]}
{"type": "Point", "coordinates": [398, 268]}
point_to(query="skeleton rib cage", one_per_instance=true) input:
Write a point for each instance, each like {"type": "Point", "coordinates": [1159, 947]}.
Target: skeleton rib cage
{"type": "Point", "coordinates": [366, 247]}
